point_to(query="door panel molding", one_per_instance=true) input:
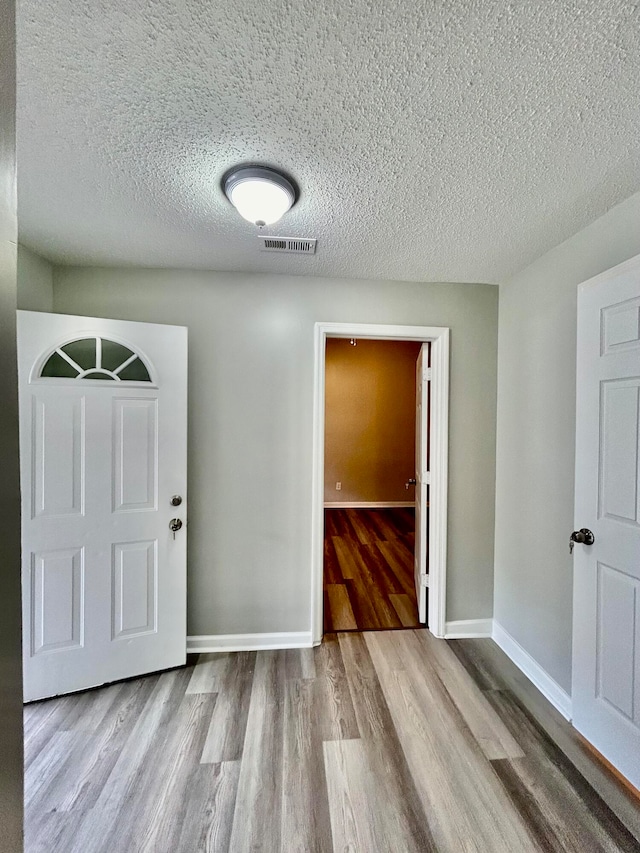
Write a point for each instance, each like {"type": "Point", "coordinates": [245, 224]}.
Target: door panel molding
{"type": "Point", "coordinates": [439, 337]}
{"type": "Point", "coordinates": [135, 454]}
{"type": "Point", "coordinates": [57, 608]}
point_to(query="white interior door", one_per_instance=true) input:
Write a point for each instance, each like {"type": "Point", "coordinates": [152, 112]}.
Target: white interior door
{"type": "Point", "coordinates": [103, 416]}
{"type": "Point", "coordinates": [422, 480]}
{"type": "Point", "coordinates": [606, 637]}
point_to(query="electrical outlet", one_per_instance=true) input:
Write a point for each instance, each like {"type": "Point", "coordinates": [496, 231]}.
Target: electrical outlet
{"type": "Point", "coordinates": [338, 486]}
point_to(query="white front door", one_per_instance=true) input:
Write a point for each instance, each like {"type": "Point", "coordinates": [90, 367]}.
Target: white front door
{"type": "Point", "coordinates": [103, 416]}
{"type": "Point", "coordinates": [422, 480]}
{"type": "Point", "coordinates": [606, 604]}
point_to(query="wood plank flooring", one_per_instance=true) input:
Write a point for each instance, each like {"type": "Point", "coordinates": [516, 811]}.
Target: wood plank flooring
{"type": "Point", "coordinates": [371, 743]}
{"type": "Point", "coordinates": [368, 570]}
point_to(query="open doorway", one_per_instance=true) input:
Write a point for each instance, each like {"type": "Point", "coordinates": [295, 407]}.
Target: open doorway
{"type": "Point", "coordinates": [369, 484]}
{"type": "Point", "coordinates": [432, 550]}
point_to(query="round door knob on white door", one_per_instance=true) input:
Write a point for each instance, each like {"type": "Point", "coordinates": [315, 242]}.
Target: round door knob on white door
{"type": "Point", "coordinates": [583, 537]}
{"type": "Point", "coordinates": [174, 525]}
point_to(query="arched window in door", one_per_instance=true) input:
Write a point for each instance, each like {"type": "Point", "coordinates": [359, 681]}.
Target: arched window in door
{"type": "Point", "coordinates": [95, 358]}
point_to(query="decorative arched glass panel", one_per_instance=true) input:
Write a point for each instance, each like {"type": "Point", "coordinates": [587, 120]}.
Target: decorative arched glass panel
{"type": "Point", "coordinates": [96, 358]}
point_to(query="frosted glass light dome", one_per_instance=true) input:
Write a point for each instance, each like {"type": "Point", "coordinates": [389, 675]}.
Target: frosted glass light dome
{"type": "Point", "coordinates": [260, 195]}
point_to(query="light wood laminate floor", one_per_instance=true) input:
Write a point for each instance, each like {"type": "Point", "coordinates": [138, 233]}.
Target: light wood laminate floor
{"type": "Point", "coordinates": [378, 742]}
{"type": "Point", "coordinates": [368, 569]}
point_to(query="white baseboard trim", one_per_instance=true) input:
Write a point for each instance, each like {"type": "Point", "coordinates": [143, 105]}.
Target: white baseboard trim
{"type": "Point", "coordinates": [248, 642]}
{"type": "Point", "coordinates": [366, 504]}
{"type": "Point", "coordinates": [549, 688]}
{"type": "Point", "coordinates": [466, 628]}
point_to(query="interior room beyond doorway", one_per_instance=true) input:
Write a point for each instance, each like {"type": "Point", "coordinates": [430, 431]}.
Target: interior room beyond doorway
{"type": "Point", "coordinates": [369, 493]}
{"type": "Point", "coordinates": [368, 569]}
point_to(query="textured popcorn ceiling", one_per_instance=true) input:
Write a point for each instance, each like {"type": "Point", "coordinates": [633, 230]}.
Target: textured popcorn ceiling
{"type": "Point", "coordinates": [438, 141]}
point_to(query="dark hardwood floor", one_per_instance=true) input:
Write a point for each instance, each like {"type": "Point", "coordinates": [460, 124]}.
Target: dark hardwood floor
{"type": "Point", "coordinates": [368, 570]}
{"type": "Point", "coordinates": [385, 742]}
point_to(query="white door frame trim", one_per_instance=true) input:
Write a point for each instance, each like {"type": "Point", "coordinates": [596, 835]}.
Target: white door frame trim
{"type": "Point", "coordinates": [438, 459]}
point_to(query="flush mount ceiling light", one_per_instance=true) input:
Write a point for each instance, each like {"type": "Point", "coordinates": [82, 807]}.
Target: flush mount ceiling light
{"type": "Point", "coordinates": [259, 194]}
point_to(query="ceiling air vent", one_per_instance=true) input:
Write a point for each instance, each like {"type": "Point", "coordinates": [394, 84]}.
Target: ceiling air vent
{"type": "Point", "coordinates": [288, 244]}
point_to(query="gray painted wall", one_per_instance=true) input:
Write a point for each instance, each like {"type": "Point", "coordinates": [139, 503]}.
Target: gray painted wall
{"type": "Point", "coordinates": [35, 281]}
{"type": "Point", "coordinates": [536, 435]}
{"type": "Point", "coordinates": [11, 760]}
{"type": "Point", "coordinates": [250, 437]}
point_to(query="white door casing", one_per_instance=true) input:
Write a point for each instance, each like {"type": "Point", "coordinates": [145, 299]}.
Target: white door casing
{"type": "Point", "coordinates": [104, 581]}
{"type": "Point", "coordinates": [606, 601]}
{"type": "Point", "coordinates": [421, 576]}
{"type": "Point", "coordinates": [438, 336]}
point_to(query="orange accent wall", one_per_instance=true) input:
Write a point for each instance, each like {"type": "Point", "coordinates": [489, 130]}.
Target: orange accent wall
{"type": "Point", "coordinates": [369, 420]}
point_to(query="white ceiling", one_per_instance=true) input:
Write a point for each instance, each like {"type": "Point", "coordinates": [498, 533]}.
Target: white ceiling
{"type": "Point", "coordinates": [436, 141]}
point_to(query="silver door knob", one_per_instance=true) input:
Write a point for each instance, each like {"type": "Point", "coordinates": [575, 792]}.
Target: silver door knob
{"type": "Point", "coordinates": [174, 525]}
